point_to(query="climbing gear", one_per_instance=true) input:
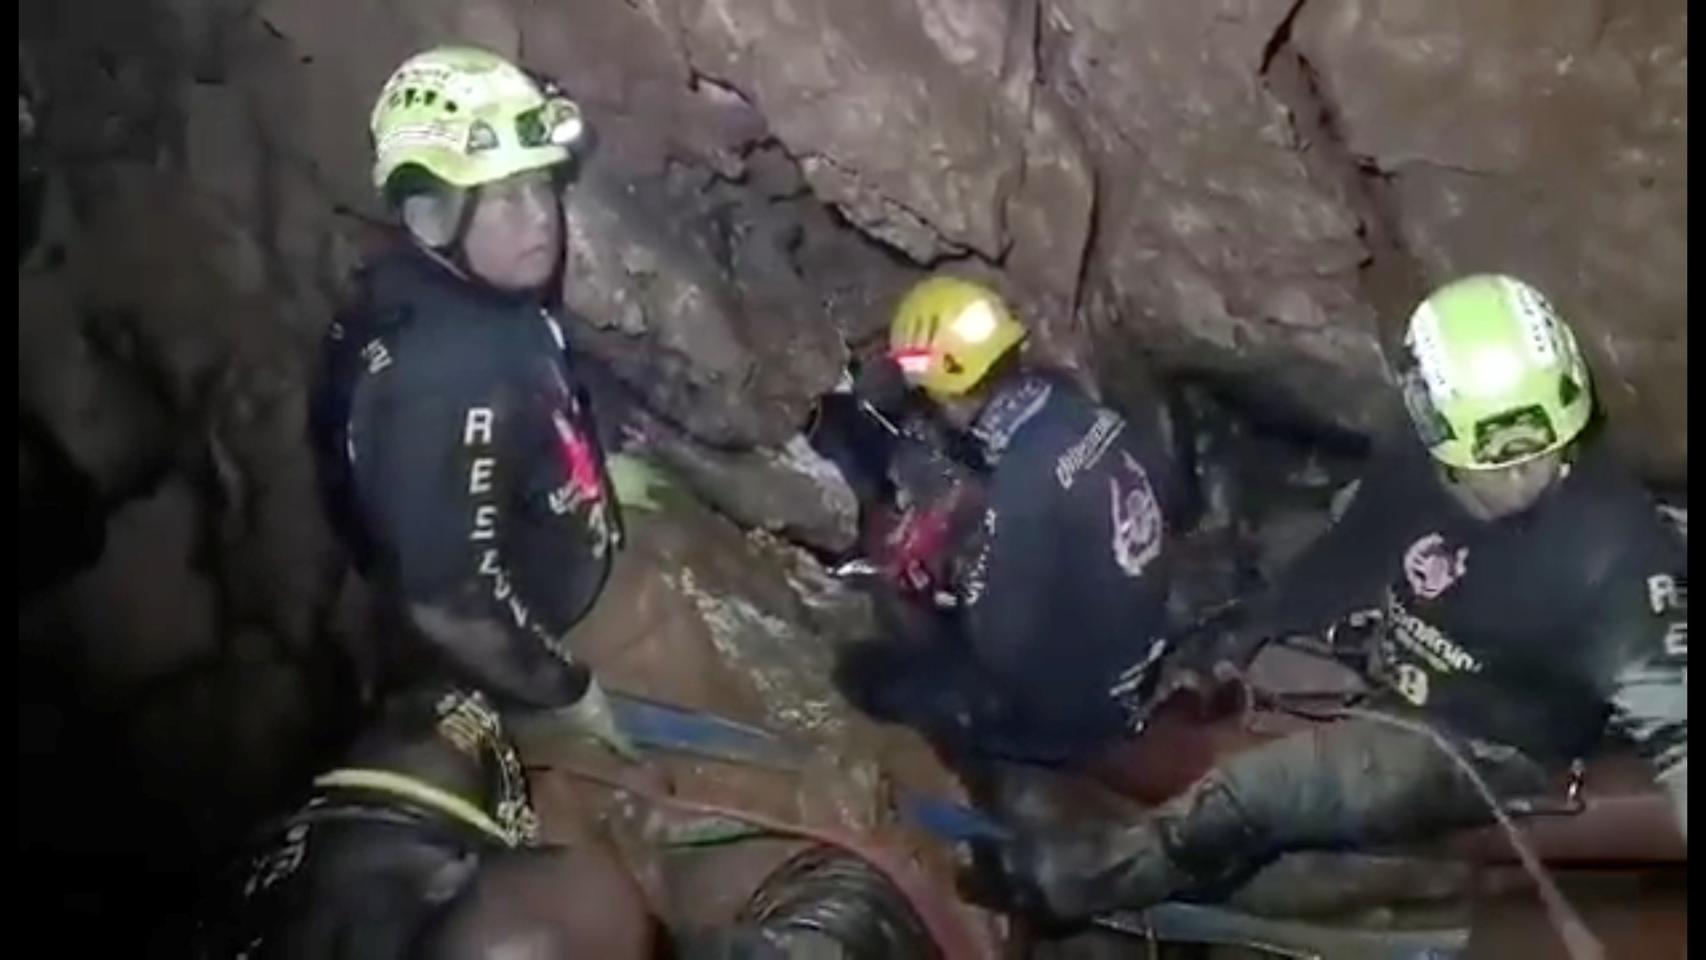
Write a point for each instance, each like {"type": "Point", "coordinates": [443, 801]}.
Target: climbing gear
{"type": "Point", "coordinates": [469, 117]}
{"type": "Point", "coordinates": [1491, 375]}
{"type": "Point", "coordinates": [419, 792]}
{"type": "Point", "coordinates": [949, 333]}
{"type": "Point", "coordinates": [468, 721]}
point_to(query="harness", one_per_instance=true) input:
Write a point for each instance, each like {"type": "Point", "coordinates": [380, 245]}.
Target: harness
{"type": "Point", "coordinates": [410, 791]}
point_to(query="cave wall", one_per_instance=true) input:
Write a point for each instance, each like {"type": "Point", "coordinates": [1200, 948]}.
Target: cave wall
{"type": "Point", "coordinates": [1256, 188]}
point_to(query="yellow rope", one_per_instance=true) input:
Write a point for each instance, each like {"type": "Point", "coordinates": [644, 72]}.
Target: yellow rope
{"type": "Point", "coordinates": [409, 788]}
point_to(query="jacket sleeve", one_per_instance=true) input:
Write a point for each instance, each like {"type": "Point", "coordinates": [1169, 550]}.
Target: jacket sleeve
{"type": "Point", "coordinates": [1638, 636]}
{"type": "Point", "coordinates": [1350, 564]}
{"type": "Point", "coordinates": [442, 479]}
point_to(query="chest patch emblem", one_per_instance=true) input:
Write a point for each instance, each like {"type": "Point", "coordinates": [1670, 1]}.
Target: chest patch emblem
{"type": "Point", "coordinates": [1136, 519]}
{"type": "Point", "coordinates": [1432, 567]}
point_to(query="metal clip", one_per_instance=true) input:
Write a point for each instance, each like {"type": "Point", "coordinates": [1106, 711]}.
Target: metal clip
{"type": "Point", "coordinates": [1570, 804]}
{"type": "Point", "coordinates": [1578, 779]}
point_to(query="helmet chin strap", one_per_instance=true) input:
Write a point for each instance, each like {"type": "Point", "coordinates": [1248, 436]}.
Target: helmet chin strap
{"type": "Point", "coordinates": [436, 219]}
{"type": "Point", "coordinates": [1514, 494]}
{"type": "Point", "coordinates": [440, 231]}
{"type": "Point", "coordinates": [443, 242]}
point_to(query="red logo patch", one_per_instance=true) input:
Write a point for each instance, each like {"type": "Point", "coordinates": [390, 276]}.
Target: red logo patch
{"type": "Point", "coordinates": [580, 462]}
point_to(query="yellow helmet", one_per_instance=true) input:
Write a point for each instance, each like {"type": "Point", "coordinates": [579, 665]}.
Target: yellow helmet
{"type": "Point", "coordinates": [469, 117]}
{"type": "Point", "coordinates": [1492, 376]}
{"type": "Point", "coordinates": [948, 333]}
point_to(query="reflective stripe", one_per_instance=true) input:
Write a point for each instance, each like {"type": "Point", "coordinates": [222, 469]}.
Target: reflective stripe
{"type": "Point", "coordinates": [417, 791]}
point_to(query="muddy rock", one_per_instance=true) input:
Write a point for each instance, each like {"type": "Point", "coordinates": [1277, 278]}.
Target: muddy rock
{"type": "Point", "coordinates": [884, 127]}
{"type": "Point", "coordinates": [1219, 246]}
{"type": "Point", "coordinates": [647, 107]}
{"type": "Point", "coordinates": [701, 615]}
{"type": "Point", "coordinates": [793, 490]}
{"type": "Point", "coordinates": [697, 614]}
{"type": "Point", "coordinates": [658, 310]}
{"type": "Point", "coordinates": [729, 306]}
{"type": "Point", "coordinates": [922, 124]}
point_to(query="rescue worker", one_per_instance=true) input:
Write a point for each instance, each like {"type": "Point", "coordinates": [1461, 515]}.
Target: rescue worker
{"type": "Point", "coordinates": [423, 843]}
{"type": "Point", "coordinates": [919, 493]}
{"type": "Point", "coordinates": [455, 436]}
{"type": "Point", "coordinates": [1532, 601]}
{"type": "Point", "coordinates": [1067, 577]}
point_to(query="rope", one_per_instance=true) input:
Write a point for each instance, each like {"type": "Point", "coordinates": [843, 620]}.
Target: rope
{"type": "Point", "coordinates": [396, 784]}
{"type": "Point", "coordinates": [1579, 941]}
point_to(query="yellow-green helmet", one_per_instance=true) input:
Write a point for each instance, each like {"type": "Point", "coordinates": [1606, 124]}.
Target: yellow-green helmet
{"type": "Point", "coordinates": [1492, 377]}
{"type": "Point", "coordinates": [948, 333]}
{"type": "Point", "coordinates": [468, 117]}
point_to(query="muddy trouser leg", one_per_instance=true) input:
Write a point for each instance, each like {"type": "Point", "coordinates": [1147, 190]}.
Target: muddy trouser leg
{"type": "Point", "coordinates": [1354, 783]}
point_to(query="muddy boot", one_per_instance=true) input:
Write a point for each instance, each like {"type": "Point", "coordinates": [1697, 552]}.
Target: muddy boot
{"type": "Point", "coordinates": [1202, 839]}
{"type": "Point", "coordinates": [1065, 879]}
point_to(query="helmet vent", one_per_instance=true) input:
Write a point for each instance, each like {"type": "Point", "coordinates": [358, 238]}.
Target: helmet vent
{"type": "Point", "coordinates": [481, 136]}
{"type": "Point", "coordinates": [1568, 390]}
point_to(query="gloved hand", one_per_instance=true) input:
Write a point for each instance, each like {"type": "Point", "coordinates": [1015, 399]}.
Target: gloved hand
{"type": "Point", "coordinates": [637, 482]}
{"type": "Point", "coordinates": [591, 715]}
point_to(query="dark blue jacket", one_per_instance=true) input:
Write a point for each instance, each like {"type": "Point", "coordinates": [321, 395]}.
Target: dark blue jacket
{"type": "Point", "coordinates": [1070, 587]}
{"type": "Point", "coordinates": [460, 461]}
